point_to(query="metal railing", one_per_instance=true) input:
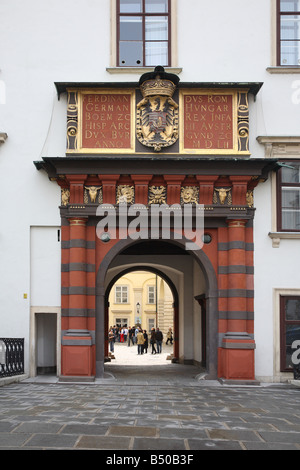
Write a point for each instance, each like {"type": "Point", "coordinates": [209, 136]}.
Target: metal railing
{"type": "Point", "coordinates": [11, 356]}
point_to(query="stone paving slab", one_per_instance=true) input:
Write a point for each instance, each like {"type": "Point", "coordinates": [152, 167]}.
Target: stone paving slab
{"type": "Point", "coordinates": [175, 417]}
{"type": "Point", "coordinates": [150, 406]}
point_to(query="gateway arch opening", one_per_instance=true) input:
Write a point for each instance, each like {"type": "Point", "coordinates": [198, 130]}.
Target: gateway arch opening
{"type": "Point", "coordinates": [140, 318]}
{"type": "Point", "coordinates": [190, 281]}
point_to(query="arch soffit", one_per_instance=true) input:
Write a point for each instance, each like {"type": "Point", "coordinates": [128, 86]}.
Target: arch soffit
{"type": "Point", "coordinates": [199, 255]}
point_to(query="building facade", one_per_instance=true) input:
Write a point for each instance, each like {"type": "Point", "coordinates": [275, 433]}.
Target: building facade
{"type": "Point", "coordinates": [141, 298]}
{"type": "Point", "coordinates": [111, 108]}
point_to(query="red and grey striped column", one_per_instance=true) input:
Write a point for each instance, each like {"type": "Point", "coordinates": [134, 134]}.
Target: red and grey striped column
{"type": "Point", "coordinates": [77, 342]}
{"type": "Point", "coordinates": [237, 346]}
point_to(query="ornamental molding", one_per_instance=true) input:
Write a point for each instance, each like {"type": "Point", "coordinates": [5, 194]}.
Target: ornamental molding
{"type": "Point", "coordinates": [284, 69]}
{"type": "Point", "coordinates": [3, 137]}
{"type": "Point", "coordinates": [276, 237]}
{"type": "Point", "coordinates": [281, 146]}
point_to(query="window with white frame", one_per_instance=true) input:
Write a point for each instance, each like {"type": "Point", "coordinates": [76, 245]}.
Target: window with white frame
{"type": "Point", "coordinates": [288, 197]}
{"type": "Point", "coordinates": [143, 33]}
{"type": "Point", "coordinates": [288, 32]}
{"type": "Point", "coordinates": [151, 294]}
{"type": "Point", "coordinates": [289, 330]}
{"type": "Point", "coordinates": [120, 322]}
{"type": "Point", "coordinates": [151, 323]}
{"type": "Point", "coordinates": [121, 294]}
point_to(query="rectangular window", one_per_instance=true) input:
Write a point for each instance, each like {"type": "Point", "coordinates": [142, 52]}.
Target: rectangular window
{"type": "Point", "coordinates": [151, 295]}
{"type": "Point", "coordinates": [288, 26]}
{"type": "Point", "coordinates": [143, 30]}
{"type": "Point", "coordinates": [289, 329]}
{"type": "Point", "coordinates": [289, 197]}
{"type": "Point", "coordinates": [120, 322]}
{"type": "Point", "coordinates": [121, 295]}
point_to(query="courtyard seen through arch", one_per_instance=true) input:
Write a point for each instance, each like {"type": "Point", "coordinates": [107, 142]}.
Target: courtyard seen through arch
{"type": "Point", "coordinates": [140, 301]}
{"type": "Point", "coordinates": [188, 277]}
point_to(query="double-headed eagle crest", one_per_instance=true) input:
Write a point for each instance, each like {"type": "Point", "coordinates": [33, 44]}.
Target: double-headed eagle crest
{"type": "Point", "coordinates": [157, 112]}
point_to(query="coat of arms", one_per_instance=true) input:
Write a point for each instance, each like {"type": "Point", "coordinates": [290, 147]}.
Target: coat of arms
{"type": "Point", "coordinates": [157, 112]}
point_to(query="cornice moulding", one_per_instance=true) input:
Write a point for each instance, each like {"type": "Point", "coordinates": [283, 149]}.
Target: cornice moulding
{"type": "Point", "coordinates": [3, 137]}
{"type": "Point", "coordinates": [277, 236]}
{"type": "Point", "coordinates": [278, 139]}
{"type": "Point", "coordinates": [284, 69]}
{"type": "Point", "coordinates": [280, 146]}
{"type": "Point", "coordinates": [140, 70]}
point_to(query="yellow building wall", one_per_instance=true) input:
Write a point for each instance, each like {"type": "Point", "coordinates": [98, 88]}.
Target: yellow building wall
{"type": "Point", "coordinates": [137, 310]}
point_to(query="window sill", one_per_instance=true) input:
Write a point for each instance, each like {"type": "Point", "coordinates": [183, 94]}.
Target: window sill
{"type": "Point", "coordinates": [3, 137]}
{"type": "Point", "coordinates": [277, 236]}
{"type": "Point", "coordinates": [120, 311]}
{"type": "Point", "coordinates": [284, 69]}
{"type": "Point", "coordinates": [140, 70]}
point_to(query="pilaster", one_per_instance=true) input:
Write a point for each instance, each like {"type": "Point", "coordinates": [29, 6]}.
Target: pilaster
{"type": "Point", "coordinates": [173, 188]}
{"type": "Point", "coordinates": [141, 187]}
{"type": "Point", "coordinates": [109, 185]}
{"type": "Point", "coordinates": [236, 357]}
{"type": "Point", "coordinates": [77, 342]}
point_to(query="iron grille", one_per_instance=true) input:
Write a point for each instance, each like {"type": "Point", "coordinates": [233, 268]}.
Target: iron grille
{"type": "Point", "coordinates": [11, 356]}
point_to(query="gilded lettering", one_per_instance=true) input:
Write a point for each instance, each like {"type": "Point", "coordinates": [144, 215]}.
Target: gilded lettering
{"type": "Point", "coordinates": [208, 121]}
{"type": "Point", "coordinates": [106, 120]}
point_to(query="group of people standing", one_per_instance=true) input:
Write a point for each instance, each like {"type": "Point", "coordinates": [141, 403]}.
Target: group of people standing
{"type": "Point", "coordinates": [156, 339]}
{"type": "Point", "coordinates": [140, 337]}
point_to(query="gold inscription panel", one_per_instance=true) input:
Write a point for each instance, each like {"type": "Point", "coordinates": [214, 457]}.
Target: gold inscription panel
{"type": "Point", "coordinates": [209, 122]}
{"type": "Point", "coordinates": [106, 121]}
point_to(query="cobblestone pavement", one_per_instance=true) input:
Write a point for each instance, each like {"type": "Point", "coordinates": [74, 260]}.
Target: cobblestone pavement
{"type": "Point", "coordinates": [159, 407]}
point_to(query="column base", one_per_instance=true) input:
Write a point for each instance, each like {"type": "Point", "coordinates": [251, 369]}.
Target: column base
{"type": "Point", "coordinates": [239, 382]}
{"type": "Point", "coordinates": [76, 379]}
{"type": "Point", "coordinates": [236, 358]}
{"type": "Point", "coordinates": [77, 354]}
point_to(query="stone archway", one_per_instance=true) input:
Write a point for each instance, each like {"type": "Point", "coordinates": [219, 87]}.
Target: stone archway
{"type": "Point", "coordinates": [162, 275]}
{"type": "Point", "coordinates": [211, 293]}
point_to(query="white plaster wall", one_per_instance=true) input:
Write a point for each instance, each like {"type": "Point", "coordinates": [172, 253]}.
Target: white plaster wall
{"type": "Point", "coordinates": [232, 42]}
{"type": "Point", "coordinates": [275, 268]}
{"type": "Point", "coordinates": [45, 264]}
{"type": "Point", "coordinates": [264, 272]}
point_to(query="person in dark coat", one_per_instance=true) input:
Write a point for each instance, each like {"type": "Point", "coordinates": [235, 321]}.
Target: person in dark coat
{"type": "Point", "coordinates": [130, 335]}
{"type": "Point", "coordinates": [159, 339]}
{"type": "Point", "coordinates": [146, 342]}
{"type": "Point", "coordinates": [153, 341]}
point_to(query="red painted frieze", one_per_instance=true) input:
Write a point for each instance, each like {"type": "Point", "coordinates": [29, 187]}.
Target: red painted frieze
{"type": "Point", "coordinates": [208, 121]}
{"type": "Point", "coordinates": [106, 121]}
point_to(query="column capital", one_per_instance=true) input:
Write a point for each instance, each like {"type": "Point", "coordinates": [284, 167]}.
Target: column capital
{"type": "Point", "coordinates": [237, 223]}
{"type": "Point", "coordinates": [141, 179]}
{"type": "Point", "coordinates": [76, 179]}
{"type": "Point", "coordinates": [109, 184]}
{"type": "Point", "coordinates": [108, 179]}
{"type": "Point", "coordinates": [240, 178]}
{"type": "Point", "coordinates": [173, 188]}
{"type": "Point", "coordinates": [77, 221]}
{"type": "Point", "coordinates": [141, 185]}
{"type": "Point", "coordinates": [206, 179]}
{"type": "Point", "coordinates": [174, 179]}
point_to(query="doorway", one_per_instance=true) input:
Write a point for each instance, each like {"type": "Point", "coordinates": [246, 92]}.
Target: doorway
{"type": "Point", "coordinates": [189, 274]}
{"type": "Point", "coordinates": [46, 343]}
{"type": "Point", "coordinates": [139, 298]}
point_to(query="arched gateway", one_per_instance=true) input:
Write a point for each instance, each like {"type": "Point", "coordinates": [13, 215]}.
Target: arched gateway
{"type": "Point", "coordinates": [210, 293]}
{"type": "Point", "coordinates": [158, 143]}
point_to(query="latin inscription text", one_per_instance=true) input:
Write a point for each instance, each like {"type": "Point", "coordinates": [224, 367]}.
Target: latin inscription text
{"type": "Point", "coordinates": [208, 122]}
{"type": "Point", "coordinates": [106, 121]}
